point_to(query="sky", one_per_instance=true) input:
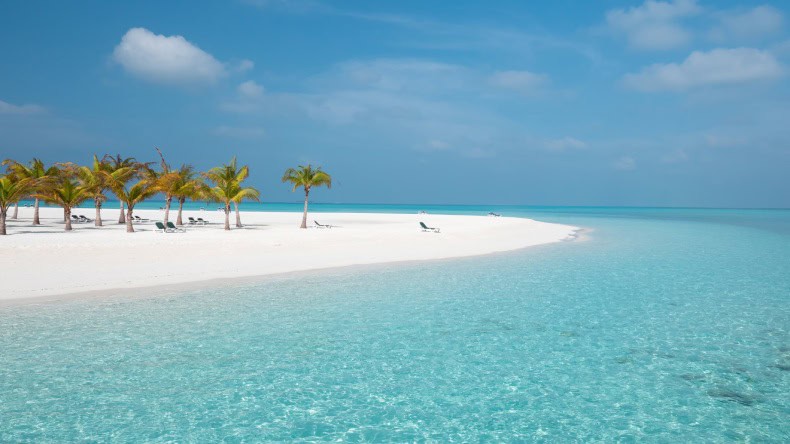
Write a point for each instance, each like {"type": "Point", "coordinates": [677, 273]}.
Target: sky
{"type": "Point", "coordinates": [632, 103]}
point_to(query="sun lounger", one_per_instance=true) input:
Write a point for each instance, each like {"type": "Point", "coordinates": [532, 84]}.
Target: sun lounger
{"type": "Point", "coordinates": [203, 221]}
{"type": "Point", "coordinates": [140, 219]}
{"type": "Point", "coordinates": [85, 219]}
{"type": "Point", "coordinates": [160, 228]}
{"type": "Point", "coordinates": [192, 221]}
{"type": "Point", "coordinates": [494, 214]}
{"type": "Point", "coordinates": [172, 228]}
{"type": "Point", "coordinates": [427, 228]}
{"type": "Point", "coordinates": [322, 225]}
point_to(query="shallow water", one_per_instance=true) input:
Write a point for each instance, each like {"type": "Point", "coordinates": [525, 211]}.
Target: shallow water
{"type": "Point", "coordinates": [664, 326]}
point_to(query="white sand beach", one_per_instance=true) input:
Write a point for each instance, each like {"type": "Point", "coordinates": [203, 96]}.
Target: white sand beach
{"type": "Point", "coordinates": [44, 260]}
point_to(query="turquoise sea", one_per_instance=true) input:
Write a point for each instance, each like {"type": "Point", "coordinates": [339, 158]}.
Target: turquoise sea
{"type": "Point", "coordinates": [662, 325]}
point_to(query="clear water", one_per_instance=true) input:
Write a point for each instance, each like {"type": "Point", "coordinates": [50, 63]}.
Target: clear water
{"type": "Point", "coordinates": [666, 325]}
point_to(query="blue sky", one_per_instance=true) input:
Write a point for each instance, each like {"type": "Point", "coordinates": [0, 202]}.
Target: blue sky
{"type": "Point", "coordinates": [676, 103]}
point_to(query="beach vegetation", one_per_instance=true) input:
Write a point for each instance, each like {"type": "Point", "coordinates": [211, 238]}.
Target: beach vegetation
{"type": "Point", "coordinates": [13, 188]}
{"type": "Point", "coordinates": [63, 190]}
{"type": "Point", "coordinates": [306, 177]}
{"type": "Point", "coordinates": [188, 184]}
{"type": "Point", "coordinates": [133, 195]}
{"type": "Point", "coordinates": [97, 179]}
{"type": "Point", "coordinates": [130, 166]}
{"type": "Point", "coordinates": [227, 188]}
{"type": "Point", "coordinates": [38, 172]}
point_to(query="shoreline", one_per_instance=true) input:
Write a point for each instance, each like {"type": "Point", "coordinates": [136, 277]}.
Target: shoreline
{"type": "Point", "coordinates": [105, 262]}
{"type": "Point", "coordinates": [160, 290]}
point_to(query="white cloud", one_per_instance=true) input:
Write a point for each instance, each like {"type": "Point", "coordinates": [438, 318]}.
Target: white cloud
{"type": "Point", "coordinates": [750, 24]}
{"type": "Point", "coordinates": [655, 25]}
{"type": "Point", "coordinates": [10, 108]}
{"type": "Point", "coordinates": [715, 67]}
{"type": "Point", "coordinates": [245, 65]}
{"type": "Point", "coordinates": [625, 163]}
{"type": "Point", "coordinates": [564, 144]}
{"type": "Point", "coordinates": [166, 59]}
{"type": "Point", "coordinates": [236, 132]}
{"type": "Point", "coordinates": [250, 89]}
{"type": "Point", "coordinates": [525, 82]}
{"type": "Point", "coordinates": [398, 75]}
{"type": "Point", "coordinates": [248, 99]}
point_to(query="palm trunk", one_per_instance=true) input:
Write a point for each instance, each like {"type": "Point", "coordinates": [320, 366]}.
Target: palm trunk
{"type": "Point", "coordinates": [2, 221]}
{"type": "Point", "coordinates": [97, 222]}
{"type": "Point", "coordinates": [168, 199]}
{"type": "Point", "coordinates": [67, 215]}
{"type": "Point", "coordinates": [227, 216]}
{"type": "Point", "coordinates": [36, 220]}
{"type": "Point", "coordinates": [179, 221]}
{"type": "Point", "coordinates": [16, 211]}
{"type": "Point", "coordinates": [304, 216]}
{"type": "Point", "coordinates": [129, 226]}
{"type": "Point", "coordinates": [238, 216]}
{"type": "Point", "coordinates": [121, 219]}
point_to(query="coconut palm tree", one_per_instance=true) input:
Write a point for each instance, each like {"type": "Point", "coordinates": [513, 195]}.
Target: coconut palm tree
{"type": "Point", "coordinates": [227, 188]}
{"type": "Point", "coordinates": [307, 178]}
{"type": "Point", "coordinates": [12, 190]}
{"type": "Point", "coordinates": [37, 171]}
{"type": "Point", "coordinates": [133, 195]}
{"type": "Point", "coordinates": [165, 181]}
{"type": "Point", "coordinates": [231, 173]}
{"type": "Point", "coordinates": [229, 191]}
{"type": "Point", "coordinates": [116, 163]}
{"type": "Point", "coordinates": [188, 185]}
{"type": "Point", "coordinates": [65, 192]}
{"type": "Point", "coordinates": [97, 179]}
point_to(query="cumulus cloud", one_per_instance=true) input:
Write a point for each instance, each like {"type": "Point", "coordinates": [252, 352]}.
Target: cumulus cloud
{"type": "Point", "coordinates": [10, 108]}
{"type": "Point", "coordinates": [525, 82]}
{"type": "Point", "coordinates": [716, 67]}
{"type": "Point", "coordinates": [248, 99]}
{"type": "Point", "coordinates": [166, 59]}
{"type": "Point", "coordinates": [654, 25]}
{"type": "Point", "coordinates": [749, 24]}
{"type": "Point", "coordinates": [245, 65]}
{"type": "Point", "coordinates": [250, 89]}
{"type": "Point", "coordinates": [564, 144]}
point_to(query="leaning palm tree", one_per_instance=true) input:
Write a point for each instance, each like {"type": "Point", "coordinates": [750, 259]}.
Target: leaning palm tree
{"type": "Point", "coordinates": [12, 190]}
{"type": "Point", "coordinates": [116, 163]}
{"type": "Point", "coordinates": [65, 192]}
{"type": "Point", "coordinates": [307, 178]}
{"type": "Point", "coordinates": [133, 195]}
{"type": "Point", "coordinates": [188, 185]}
{"type": "Point", "coordinates": [37, 171]}
{"type": "Point", "coordinates": [227, 189]}
{"type": "Point", "coordinates": [97, 179]}
{"type": "Point", "coordinates": [231, 173]}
